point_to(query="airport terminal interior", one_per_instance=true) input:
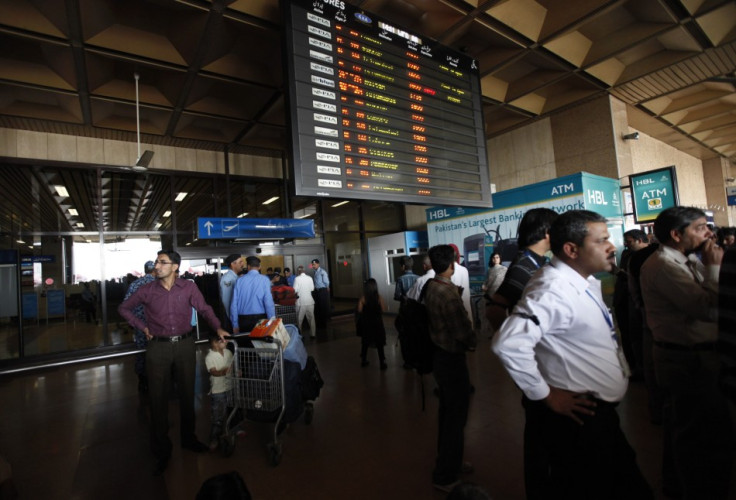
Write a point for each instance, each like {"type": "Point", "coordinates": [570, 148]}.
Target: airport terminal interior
{"type": "Point", "coordinates": [125, 125]}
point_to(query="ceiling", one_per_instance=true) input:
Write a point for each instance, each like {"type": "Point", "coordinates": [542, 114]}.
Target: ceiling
{"type": "Point", "coordinates": [211, 75]}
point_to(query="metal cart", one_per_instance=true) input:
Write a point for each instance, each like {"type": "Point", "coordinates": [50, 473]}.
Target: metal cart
{"type": "Point", "coordinates": [257, 388]}
{"type": "Point", "coordinates": [257, 378]}
{"type": "Point", "coordinates": [287, 314]}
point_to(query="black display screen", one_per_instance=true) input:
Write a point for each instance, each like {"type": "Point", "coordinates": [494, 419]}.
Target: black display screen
{"type": "Point", "coordinates": [378, 113]}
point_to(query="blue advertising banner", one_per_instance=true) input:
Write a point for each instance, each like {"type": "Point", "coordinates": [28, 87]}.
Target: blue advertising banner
{"type": "Point", "coordinates": [653, 192]}
{"type": "Point", "coordinates": [55, 303]}
{"type": "Point", "coordinates": [219, 228]}
{"type": "Point", "coordinates": [731, 195]}
{"type": "Point", "coordinates": [29, 305]}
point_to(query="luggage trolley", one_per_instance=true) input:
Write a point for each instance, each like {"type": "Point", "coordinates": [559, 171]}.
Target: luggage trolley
{"type": "Point", "coordinates": [287, 314]}
{"type": "Point", "coordinates": [257, 388]}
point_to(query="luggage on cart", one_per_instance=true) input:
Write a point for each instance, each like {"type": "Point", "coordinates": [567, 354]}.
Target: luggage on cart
{"type": "Point", "coordinates": [267, 385]}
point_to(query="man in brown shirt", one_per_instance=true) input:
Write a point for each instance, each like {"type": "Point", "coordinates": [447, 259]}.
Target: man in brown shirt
{"type": "Point", "coordinates": [452, 334]}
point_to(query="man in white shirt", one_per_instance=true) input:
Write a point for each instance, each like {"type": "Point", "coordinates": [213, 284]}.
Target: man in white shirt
{"type": "Point", "coordinates": [304, 286]}
{"type": "Point", "coordinates": [560, 347]}
{"type": "Point", "coordinates": [680, 295]}
{"type": "Point", "coordinates": [416, 288]}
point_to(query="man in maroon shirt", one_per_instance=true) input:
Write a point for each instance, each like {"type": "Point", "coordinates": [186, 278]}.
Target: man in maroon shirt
{"type": "Point", "coordinates": [168, 304]}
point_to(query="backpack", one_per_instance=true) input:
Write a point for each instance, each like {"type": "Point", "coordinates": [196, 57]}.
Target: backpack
{"type": "Point", "coordinates": [416, 344]}
{"type": "Point", "coordinates": [417, 347]}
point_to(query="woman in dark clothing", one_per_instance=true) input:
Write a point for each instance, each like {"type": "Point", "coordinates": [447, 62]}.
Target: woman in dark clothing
{"type": "Point", "coordinates": [370, 322]}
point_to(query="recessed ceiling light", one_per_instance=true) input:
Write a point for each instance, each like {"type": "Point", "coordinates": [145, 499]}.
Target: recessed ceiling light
{"type": "Point", "coordinates": [270, 200]}
{"type": "Point", "coordinates": [61, 191]}
{"type": "Point", "coordinates": [73, 211]}
{"type": "Point", "coordinates": [180, 196]}
{"type": "Point", "coordinates": [167, 213]}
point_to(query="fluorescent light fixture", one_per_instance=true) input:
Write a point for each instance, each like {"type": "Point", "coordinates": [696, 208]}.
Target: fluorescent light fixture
{"type": "Point", "coordinates": [20, 242]}
{"type": "Point", "coordinates": [88, 241]}
{"type": "Point", "coordinates": [73, 211]}
{"type": "Point", "coordinates": [270, 200]}
{"type": "Point", "coordinates": [242, 215]}
{"type": "Point", "coordinates": [167, 213]}
{"type": "Point", "coordinates": [267, 243]}
{"type": "Point", "coordinates": [158, 225]}
{"type": "Point", "coordinates": [30, 247]}
{"type": "Point", "coordinates": [340, 204]}
{"type": "Point", "coordinates": [80, 224]}
{"type": "Point", "coordinates": [188, 244]}
{"type": "Point", "coordinates": [180, 196]}
{"type": "Point", "coordinates": [61, 191]}
{"type": "Point", "coordinates": [36, 243]}
{"type": "Point", "coordinates": [304, 216]}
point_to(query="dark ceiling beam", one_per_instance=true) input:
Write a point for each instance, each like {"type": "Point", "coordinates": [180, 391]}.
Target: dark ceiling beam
{"type": "Point", "coordinates": [263, 111]}
{"type": "Point", "coordinates": [80, 66]}
{"type": "Point", "coordinates": [214, 21]}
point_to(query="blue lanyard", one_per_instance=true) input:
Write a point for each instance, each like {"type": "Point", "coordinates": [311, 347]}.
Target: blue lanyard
{"type": "Point", "coordinates": [606, 314]}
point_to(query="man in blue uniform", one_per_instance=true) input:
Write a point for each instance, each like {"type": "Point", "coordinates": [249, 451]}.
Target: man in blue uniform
{"type": "Point", "coordinates": [139, 337]}
{"type": "Point", "coordinates": [321, 295]}
{"type": "Point", "coordinates": [234, 264]}
{"type": "Point", "coordinates": [252, 299]}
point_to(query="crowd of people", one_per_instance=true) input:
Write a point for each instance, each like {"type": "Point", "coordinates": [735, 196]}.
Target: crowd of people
{"type": "Point", "coordinates": [673, 326]}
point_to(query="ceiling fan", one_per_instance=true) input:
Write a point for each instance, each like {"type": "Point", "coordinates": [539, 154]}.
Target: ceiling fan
{"type": "Point", "coordinates": [141, 164]}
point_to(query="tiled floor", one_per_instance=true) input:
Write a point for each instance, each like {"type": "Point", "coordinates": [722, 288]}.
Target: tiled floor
{"type": "Point", "coordinates": [81, 432]}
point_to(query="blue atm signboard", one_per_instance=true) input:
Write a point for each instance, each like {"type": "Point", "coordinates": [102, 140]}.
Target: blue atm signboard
{"type": "Point", "coordinates": [731, 195]}
{"type": "Point", "coordinates": [653, 192]}
{"type": "Point", "coordinates": [222, 228]}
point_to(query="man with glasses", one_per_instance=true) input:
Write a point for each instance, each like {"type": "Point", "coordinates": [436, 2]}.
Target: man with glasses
{"type": "Point", "coordinates": [168, 304]}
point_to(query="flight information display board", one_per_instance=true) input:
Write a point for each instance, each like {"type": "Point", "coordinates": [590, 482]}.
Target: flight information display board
{"type": "Point", "coordinates": [379, 113]}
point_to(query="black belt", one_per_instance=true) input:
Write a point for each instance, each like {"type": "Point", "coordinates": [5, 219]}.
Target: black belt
{"type": "Point", "coordinates": [599, 402]}
{"type": "Point", "coordinates": [252, 316]}
{"type": "Point", "coordinates": [702, 346]}
{"type": "Point", "coordinates": [175, 338]}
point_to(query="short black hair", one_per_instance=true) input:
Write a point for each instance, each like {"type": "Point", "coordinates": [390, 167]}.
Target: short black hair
{"type": "Point", "coordinates": [253, 261]}
{"type": "Point", "coordinates": [287, 269]}
{"type": "Point", "coordinates": [571, 227]}
{"type": "Point", "coordinates": [636, 235]}
{"type": "Point", "coordinates": [535, 225]}
{"type": "Point", "coordinates": [677, 218]}
{"type": "Point", "coordinates": [407, 262]}
{"type": "Point", "coordinates": [441, 256]}
{"type": "Point", "coordinates": [173, 256]}
{"type": "Point", "coordinates": [231, 258]}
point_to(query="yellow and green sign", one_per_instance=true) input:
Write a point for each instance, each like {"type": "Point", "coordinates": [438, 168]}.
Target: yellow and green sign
{"type": "Point", "coordinates": [652, 192]}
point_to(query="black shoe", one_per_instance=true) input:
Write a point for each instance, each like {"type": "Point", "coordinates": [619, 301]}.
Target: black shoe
{"type": "Point", "coordinates": [161, 465]}
{"type": "Point", "coordinates": [384, 366]}
{"type": "Point", "coordinates": [195, 446]}
{"type": "Point", "coordinates": [365, 363]}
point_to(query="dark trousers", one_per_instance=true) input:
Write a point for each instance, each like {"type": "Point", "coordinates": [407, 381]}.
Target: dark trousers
{"type": "Point", "coordinates": [322, 309]}
{"type": "Point", "coordinates": [161, 357]}
{"type": "Point", "coordinates": [698, 440]}
{"type": "Point", "coordinates": [575, 461]}
{"type": "Point", "coordinates": [364, 352]}
{"type": "Point", "coordinates": [246, 322]}
{"type": "Point", "coordinates": [453, 381]}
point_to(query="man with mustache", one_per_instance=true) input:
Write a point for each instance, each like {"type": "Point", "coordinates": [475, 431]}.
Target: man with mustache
{"type": "Point", "coordinates": [680, 296]}
{"type": "Point", "coordinates": [561, 349]}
